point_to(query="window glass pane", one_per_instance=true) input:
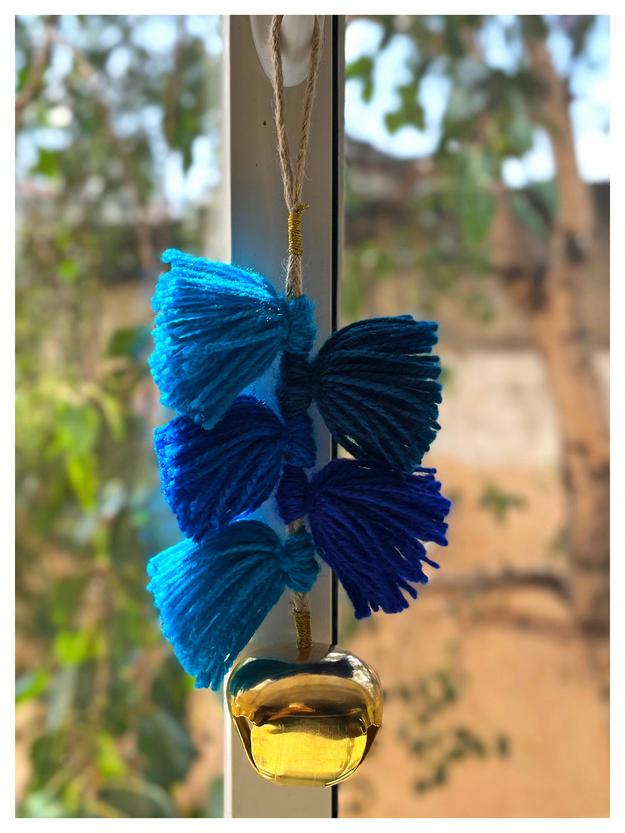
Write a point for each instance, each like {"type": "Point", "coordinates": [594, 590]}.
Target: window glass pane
{"type": "Point", "coordinates": [490, 709]}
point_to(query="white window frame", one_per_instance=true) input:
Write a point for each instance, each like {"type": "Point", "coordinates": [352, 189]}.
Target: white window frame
{"type": "Point", "coordinates": [258, 240]}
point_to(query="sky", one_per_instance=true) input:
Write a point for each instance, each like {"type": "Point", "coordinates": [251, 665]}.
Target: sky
{"type": "Point", "coordinates": [590, 108]}
{"type": "Point", "coordinates": [363, 121]}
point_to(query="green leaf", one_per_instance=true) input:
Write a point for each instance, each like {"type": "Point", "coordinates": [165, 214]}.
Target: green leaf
{"type": "Point", "coordinates": [471, 742]}
{"type": "Point", "coordinates": [76, 647]}
{"type": "Point", "coordinates": [499, 502]}
{"type": "Point", "coordinates": [77, 429]}
{"type": "Point", "coordinates": [46, 755]}
{"type": "Point", "coordinates": [393, 121]}
{"type": "Point", "coordinates": [68, 270]}
{"type": "Point", "coordinates": [475, 205]}
{"type": "Point", "coordinates": [20, 78]}
{"type": "Point", "coordinates": [171, 688]}
{"type": "Point", "coordinates": [519, 135]}
{"type": "Point", "coordinates": [30, 686]}
{"type": "Point", "coordinates": [48, 163]}
{"type": "Point", "coordinates": [41, 804]}
{"type": "Point", "coordinates": [83, 477]}
{"type": "Point", "coordinates": [440, 775]}
{"type": "Point", "coordinates": [167, 747]}
{"type": "Point", "coordinates": [362, 70]}
{"type": "Point", "coordinates": [139, 799]}
{"type": "Point", "coordinates": [410, 112]}
{"type": "Point", "coordinates": [503, 746]}
{"type": "Point", "coordinates": [110, 762]}
{"type": "Point", "coordinates": [114, 415]}
{"type": "Point", "coordinates": [130, 342]}
{"type": "Point", "coordinates": [449, 689]}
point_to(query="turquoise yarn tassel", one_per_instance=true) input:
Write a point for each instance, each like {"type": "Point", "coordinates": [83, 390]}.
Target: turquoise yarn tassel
{"type": "Point", "coordinates": [218, 328]}
{"type": "Point", "coordinates": [375, 384]}
{"type": "Point", "coordinates": [212, 597]}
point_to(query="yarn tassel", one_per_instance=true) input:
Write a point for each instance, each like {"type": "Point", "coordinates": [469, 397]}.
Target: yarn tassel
{"type": "Point", "coordinates": [369, 524]}
{"type": "Point", "coordinates": [219, 327]}
{"type": "Point", "coordinates": [212, 597]}
{"type": "Point", "coordinates": [211, 477]}
{"type": "Point", "coordinates": [375, 384]}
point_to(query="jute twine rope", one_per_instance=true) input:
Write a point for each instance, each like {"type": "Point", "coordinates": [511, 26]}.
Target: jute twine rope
{"type": "Point", "coordinates": [293, 185]}
{"type": "Point", "coordinates": [293, 176]}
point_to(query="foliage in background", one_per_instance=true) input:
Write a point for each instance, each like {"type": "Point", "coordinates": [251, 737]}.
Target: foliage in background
{"type": "Point", "coordinates": [453, 218]}
{"type": "Point", "coordinates": [117, 158]}
{"type": "Point", "coordinates": [490, 117]}
{"type": "Point", "coordinates": [500, 501]}
{"type": "Point", "coordinates": [429, 732]}
{"type": "Point", "coordinates": [107, 109]}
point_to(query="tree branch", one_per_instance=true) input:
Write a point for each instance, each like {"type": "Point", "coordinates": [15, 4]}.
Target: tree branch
{"type": "Point", "coordinates": [575, 214]}
{"type": "Point", "coordinates": [90, 74]}
{"type": "Point", "coordinates": [172, 87]}
{"type": "Point", "coordinates": [37, 70]}
{"type": "Point", "coordinates": [503, 578]}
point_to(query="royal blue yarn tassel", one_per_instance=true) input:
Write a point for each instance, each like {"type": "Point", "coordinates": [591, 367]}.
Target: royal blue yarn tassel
{"type": "Point", "coordinates": [212, 597]}
{"type": "Point", "coordinates": [219, 327]}
{"type": "Point", "coordinates": [375, 384]}
{"type": "Point", "coordinates": [368, 523]}
{"type": "Point", "coordinates": [211, 477]}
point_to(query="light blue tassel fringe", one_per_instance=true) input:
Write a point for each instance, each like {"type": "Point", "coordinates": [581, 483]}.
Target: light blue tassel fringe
{"type": "Point", "coordinates": [219, 327]}
{"type": "Point", "coordinates": [212, 597]}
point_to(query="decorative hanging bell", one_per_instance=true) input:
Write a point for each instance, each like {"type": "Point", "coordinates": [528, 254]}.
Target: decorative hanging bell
{"type": "Point", "coordinates": [306, 716]}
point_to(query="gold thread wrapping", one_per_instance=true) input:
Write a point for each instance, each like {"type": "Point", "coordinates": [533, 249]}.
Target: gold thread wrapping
{"type": "Point", "coordinates": [303, 631]}
{"type": "Point", "coordinates": [295, 230]}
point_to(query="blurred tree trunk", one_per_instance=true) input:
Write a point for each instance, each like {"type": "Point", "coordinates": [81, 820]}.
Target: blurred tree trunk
{"type": "Point", "coordinates": [545, 281]}
{"type": "Point", "coordinates": [550, 294]}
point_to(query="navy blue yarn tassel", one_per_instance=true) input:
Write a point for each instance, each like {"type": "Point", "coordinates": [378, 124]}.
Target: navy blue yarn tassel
{"type": "Point", "coordinates": [212, 597]}
{"type": "Point", "coordinates": [369, 524]}
{"type": "Point", "coordinates": [294, 391]}
{"type": "Point", "coordinates": [211, 477]}
{"type": "Point", "coordinates": [219, 327]}
{"type": "Point", "coordinates": [375, 384]}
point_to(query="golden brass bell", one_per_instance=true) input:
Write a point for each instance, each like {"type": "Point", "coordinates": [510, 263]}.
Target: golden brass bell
{"type": "Point", "coordinates": [305, 718]}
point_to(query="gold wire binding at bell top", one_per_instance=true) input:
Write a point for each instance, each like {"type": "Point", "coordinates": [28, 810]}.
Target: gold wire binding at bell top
{"type": "Point", "coordinates": [302, 628]}
{"type": "Point", "coordinates": [295, 230]}
{"type": "Point", "coordinates": [300, 608]}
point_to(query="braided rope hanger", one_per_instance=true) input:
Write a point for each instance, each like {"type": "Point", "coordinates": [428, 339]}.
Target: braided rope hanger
{"type": "Point", "coordinates": [293, 176]}
{"type": "Point", "coordinates": [293, 185]}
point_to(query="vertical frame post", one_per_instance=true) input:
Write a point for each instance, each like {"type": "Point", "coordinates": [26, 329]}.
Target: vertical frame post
{"type": "Point", "coordinates": [258, 240]}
